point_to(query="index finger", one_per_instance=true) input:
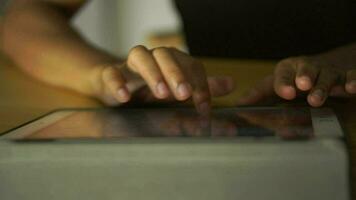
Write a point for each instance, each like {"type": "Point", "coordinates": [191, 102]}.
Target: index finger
{"type": "Point", "coordinates": [195, 72]}
{"type": "Point", "coordinates": [284, 83]}
{"type": "Point", "coordinates": [172, 73]}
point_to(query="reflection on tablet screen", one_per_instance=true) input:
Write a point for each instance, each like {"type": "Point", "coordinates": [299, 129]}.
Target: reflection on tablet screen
{"type": "Point", "coordinates": [285, 123]}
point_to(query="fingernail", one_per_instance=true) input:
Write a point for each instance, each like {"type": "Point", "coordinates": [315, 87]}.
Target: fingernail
{"type": "Point", "coordinates": [289, 92]}
{"type": "Point", "coordinates": [304, 79]}
{"type": "Point", "coordinates": [123, 94]}
{"type": "Point", "coordinates": [318, 94]}
{"type": "Point", "coordinates": [162, 89]}
{"type": "Point", "coordinates": [304, 82]}
{"type": "Point", "coordinates": [183, 90]}
{"type": "Point", "coordinates": [204, 108]}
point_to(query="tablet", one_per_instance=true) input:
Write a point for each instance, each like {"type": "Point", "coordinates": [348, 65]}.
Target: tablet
{"type": "Point", "coordinates": [286, 123]}
{"type": "Point", "coordinates": [173, 153]}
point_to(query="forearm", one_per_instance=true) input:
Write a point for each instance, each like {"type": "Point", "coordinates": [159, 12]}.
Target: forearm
{"type": "Point", "coordinates": [40, 40]}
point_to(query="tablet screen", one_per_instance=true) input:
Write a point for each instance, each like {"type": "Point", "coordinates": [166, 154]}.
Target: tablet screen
{"type": "Point", "coordinates": [284, 123]}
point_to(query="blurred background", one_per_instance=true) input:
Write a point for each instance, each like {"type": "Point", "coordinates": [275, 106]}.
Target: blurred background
{"type": "Point", "coordinates": [119, 25]}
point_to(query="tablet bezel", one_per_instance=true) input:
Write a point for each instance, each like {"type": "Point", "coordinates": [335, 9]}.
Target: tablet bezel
{"type": "Point", "coordinates": [324, 121]}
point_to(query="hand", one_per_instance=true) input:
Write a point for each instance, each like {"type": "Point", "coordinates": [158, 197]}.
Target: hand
{"type": "Point", "coordinates": [294, 76]}
{"type": "Point", "coordinates": [168, 73]}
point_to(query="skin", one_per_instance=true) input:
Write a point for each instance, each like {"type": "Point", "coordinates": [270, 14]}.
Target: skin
{"type": "Point", "coordinates": [38, 36]}
{"type": "Point", "coordinates": [314, 77]}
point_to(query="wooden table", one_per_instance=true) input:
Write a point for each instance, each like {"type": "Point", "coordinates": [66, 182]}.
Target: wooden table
{"type": "Point", "coordinates": [23, 98]}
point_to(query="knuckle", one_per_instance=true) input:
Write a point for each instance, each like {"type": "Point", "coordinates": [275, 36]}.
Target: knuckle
{"type": "Point", "coordinates": [290, 60]}
{"type": "Point", "coordinates": [136, 53]}
{"type": "Point", "coordinates": [300, 61]}
{"type": "Point", "coordinates": [174, 73]}
{"type": "Point", "coordinates": [303, 60]}
{"type": "Point", "coordinates": [325, 84]}
{"type": "Point", "coordinates": [107, 72]}
{"type": "Point", "coordinates": [138, 48]}
{"type": "Point", "coordinates": [304, 65]}
{"type": "Point", "coordinates": [111, 74]}
{"type": "Point", "coordinates": [173, 48]}
{"type": "Point", "coordinates": [286, 63]}
{"type": "Point", "coordinates": [285, 78]}
{"type": "Point", "coordinates": [331, 73]}
{"type": "Point", "coordinates": [159, 51]}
